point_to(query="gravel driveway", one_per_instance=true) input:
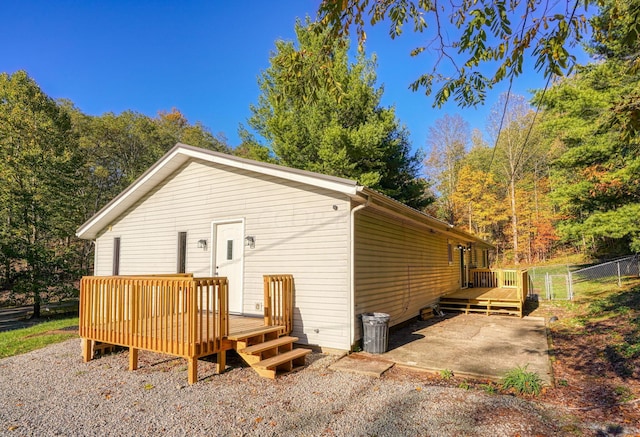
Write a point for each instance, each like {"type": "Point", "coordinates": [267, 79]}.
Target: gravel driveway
{"type": "Point", "coordinates": [52, 392]}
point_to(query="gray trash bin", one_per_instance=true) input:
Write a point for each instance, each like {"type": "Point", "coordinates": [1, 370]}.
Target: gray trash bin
{"type": "Point", "coordinates": [375, 338]}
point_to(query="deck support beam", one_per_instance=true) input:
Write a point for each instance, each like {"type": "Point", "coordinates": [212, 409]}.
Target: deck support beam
{"type": "Point", "coordinates": [86, 350]}
{"type": "Point", "coordinates": [222, 361]}
{"type": "Point", "coordinates": [133, 358]}
{"type": "Point", "coordinates": [192, 370]}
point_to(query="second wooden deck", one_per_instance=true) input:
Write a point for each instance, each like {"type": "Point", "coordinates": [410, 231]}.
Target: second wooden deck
{"type": "Point", "coordinates": [504, 293]}
{"type": "Point", "coordinates": [484, 300]}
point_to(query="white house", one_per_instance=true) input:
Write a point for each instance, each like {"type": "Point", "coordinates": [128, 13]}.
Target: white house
{"type": "Point", "coordinates": [349, 248]}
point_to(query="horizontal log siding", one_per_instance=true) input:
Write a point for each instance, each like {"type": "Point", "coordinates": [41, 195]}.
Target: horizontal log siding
{"type": "Point", "coordinates": [296, 228]}
{"type": "Point", "coordinates": [399, 267]}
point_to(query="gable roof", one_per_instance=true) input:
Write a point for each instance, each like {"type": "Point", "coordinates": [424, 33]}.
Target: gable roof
{"type": "Point", "coordinates": [182, 153]}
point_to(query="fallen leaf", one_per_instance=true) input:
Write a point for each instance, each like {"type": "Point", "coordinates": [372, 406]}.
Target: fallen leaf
{"type": "Point", "coordinates": [13, 427]}
{"type": "Point", "coordinates": [258, 419]}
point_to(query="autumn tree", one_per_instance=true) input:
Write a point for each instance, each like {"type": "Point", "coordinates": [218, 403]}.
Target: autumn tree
{"type": "Point", "coordinates": [477, 203]}
{"type": "Point", "coordinates": [448, 139]}
{"type": "Point", "coordinates": [516, 144]}
{"type": "Point", "coordinates": [352, 136]}
{"type": "Point", "coordinates": [175, 128]}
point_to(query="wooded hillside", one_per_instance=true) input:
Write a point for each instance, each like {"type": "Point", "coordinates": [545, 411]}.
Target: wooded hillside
{"type": "Point", "coordinates": [561, 172]}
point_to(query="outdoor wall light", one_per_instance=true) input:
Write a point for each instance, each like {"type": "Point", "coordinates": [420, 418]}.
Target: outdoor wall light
{"type": "Point", "coordinates": [250, 241]}
{"type": "Point", "coordinates": [463, 248]}
{"type": "Point", "coordinates": [202, 244]}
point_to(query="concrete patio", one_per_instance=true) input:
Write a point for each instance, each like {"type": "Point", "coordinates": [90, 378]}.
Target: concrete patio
{"type": "Point", "coordinates": [471, 345]}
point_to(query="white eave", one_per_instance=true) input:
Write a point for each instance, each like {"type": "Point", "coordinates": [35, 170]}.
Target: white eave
{"type": "Point", "coordinates": [177, 157]}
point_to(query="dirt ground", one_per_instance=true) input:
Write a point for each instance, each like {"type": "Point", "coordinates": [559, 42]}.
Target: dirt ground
{"type": "Point", "coordinates": [592, 378]}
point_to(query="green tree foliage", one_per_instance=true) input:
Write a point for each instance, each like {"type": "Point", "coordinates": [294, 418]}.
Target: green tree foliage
{"type": "Point", "coordinates": [596, 177]}
{"type": "Point", "coordinates": [593, 118]}
{"type": "Point", "coordinates": [118, 148]}
{"type": "Point", "coordinates": [352, 137]}
{"type": "Point", "coordinates": [58, 167]}
{"type": "Point", "coordinates": [37, 182]}
{"type": "Point", "coordinates": [471, 45]}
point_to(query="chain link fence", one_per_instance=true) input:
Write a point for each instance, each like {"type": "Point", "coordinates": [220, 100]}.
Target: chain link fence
{"type": "Point", "coordinates": [561, 282]}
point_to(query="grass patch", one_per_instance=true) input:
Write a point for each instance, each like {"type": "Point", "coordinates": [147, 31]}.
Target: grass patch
{"type": "Point", "coordinates": [522, 381]}
{"type": "Point", "coordinates": [446, 374]}
{"type": "Point", "coordinates": [20, 341]}
{"type": "Point", "coordinates": [489, 388]}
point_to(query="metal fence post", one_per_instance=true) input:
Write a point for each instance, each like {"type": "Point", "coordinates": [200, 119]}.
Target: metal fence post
{"type": "Point", "coordinates": [619, 281]}
{"type": "Point", "coordinates": [547, 287]}
{"type": "Point", "coordinates": [570, 276]}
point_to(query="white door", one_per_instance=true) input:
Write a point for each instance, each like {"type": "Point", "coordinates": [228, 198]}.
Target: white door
{"type": "Point", "coordinates": [464, 272]}
{"type": "Point", "coordinates": [228, 238]}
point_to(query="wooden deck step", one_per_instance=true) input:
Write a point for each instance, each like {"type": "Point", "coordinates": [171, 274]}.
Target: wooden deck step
{"type": "Point", "coordinates": [239, 336]}
{"type": "Point", "coordinates": [284, 362]}
{"type": "Point", "coordinates": [272, 344]}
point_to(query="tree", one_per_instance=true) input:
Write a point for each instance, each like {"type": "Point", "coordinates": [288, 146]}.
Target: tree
{"type": "Point", "coordinates": [596, 175]}
{"type": "Point", "coordinates": [352, 137]}
{"type": "Point", "coordinates": [38, 180]}
{"type": "Point", "coordinates": [593, 119]}
{"type": "Point", "coordinates": [175, 128]}
{"type": "Point", "coordinates": [477, 204]}
{"type": "Point", "coordinates": [448, 139]}
{"type": "Point", "coordinates": [511, 127]}
{"type": "Point", "coordinates": [489, 35]}
{"type": "Point", "coordinates": [118, 148]}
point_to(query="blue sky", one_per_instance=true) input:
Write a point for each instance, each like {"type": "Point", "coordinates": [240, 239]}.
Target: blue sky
{"type": "Point", "coordinates": [202, 57]}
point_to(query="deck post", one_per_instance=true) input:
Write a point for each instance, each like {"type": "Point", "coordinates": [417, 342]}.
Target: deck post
{"type": "Point", "coordinates": [133, 358]}
{"type": "Point", "coordinates": [267, 301]}
{"type": "Point", "coordinates": [222, 361]}
{"type": "Point", "coordinates": [86, 350]}
{"type": "Point", "coordinates": [192, 369]}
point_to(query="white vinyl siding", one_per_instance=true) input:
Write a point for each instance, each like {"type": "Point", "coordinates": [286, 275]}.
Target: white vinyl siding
{"type": "Point", "coordinates": [400, 267]}
{"type": "Point", "coordinates": [296, 228]}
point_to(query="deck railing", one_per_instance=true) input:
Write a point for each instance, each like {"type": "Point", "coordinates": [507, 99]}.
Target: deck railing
{"type": "Point", "coordinates": [502, 278]}
{"type": "Point", "coordinates": [177, 315]}
{"type": "Point", "coordinates": [278, 301]}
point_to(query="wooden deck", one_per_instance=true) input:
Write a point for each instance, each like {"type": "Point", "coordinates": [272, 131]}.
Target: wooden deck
{"type": "Point", "coordinates": [505, 294]}
{"type": "Point", "coordinates": [182, 316]}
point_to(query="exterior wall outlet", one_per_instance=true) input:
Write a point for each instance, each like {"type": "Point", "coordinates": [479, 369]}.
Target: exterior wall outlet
{"type": "Point", "coordinates": [258, 306]}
